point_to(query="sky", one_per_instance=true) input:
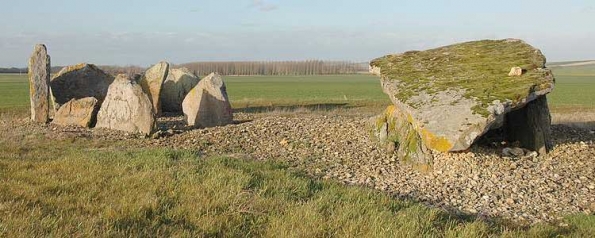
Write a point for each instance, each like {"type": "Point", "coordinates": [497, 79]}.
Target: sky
{"type": "Point", "coordinates": [143, 32]}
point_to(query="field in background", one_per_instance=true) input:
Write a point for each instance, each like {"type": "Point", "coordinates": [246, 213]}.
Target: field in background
{"type": "Point", "coordinates": [575, 91]}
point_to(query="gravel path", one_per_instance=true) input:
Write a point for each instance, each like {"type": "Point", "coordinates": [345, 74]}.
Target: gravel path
{"type": "Point", "coordinates": [478, 182]}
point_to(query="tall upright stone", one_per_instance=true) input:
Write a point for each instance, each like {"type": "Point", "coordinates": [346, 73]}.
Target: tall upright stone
{"type": "Point", "coordinates": [207, 104]}
{"type": "Point", "coordinates": [530, 126]}
{"type": "Point", "coordinates": [175, 88]}
{"type": "Point", "coordinates": [152, 82]}
{"type": "Point", "coordinates": [127, 108]}
{"type": "Point", "coordinates": [39, 84]}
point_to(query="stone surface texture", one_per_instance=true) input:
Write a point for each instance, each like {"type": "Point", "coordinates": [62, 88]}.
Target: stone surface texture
{"type": "Point", "coordinates": [39, 84]}
{"type": "Point", "coordinates": [207, 104]}
{"type": "Point", "coordinates": [126, 108]}
{"type": "Point", "coordinates": [152, 83]}
{"type": "Point", "coordinates": [175, 88]}
{"type": "Point", "coordinates": [454, 94]}
{"type": "Point", "coordinates": [80, 81]}
{"type": "Point", "coordinates": [78, 112]}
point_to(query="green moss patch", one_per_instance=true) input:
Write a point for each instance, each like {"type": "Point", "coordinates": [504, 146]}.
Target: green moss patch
{"type": "Point", "coordinates": [479, 68]}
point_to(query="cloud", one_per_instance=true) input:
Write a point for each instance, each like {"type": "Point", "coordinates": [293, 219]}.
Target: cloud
{"type": "Point", "coordinates": [263, 6]}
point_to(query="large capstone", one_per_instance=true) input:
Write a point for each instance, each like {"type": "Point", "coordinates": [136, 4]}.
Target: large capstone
{"type": "Point", "coordinates": [207, 104]}
{"type": "Point", "coordinates": [152, 83]}
{"type": "Point", "coordinates": [39, 84]}
{"type": "Point", "coordinates": [78, 112]}
{"type": "Point", "coordinates": [452, 95]}
{"type": "Point", "coordinates": [80, 81]}
{"type": "Point", "coordinates": [175, 88]}
{"type": "Point", "coordinates": [126, 108]}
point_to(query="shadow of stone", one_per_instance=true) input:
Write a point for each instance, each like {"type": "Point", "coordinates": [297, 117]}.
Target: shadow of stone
{"type": "Point", "coordinates": [292, 108]}
{"type": "Point", "coordinates": [238, 122]}
{"type": "Point", "coordinates": [494, 141]}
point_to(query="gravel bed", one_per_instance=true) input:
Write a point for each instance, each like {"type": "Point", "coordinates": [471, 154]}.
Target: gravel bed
{"type": "Point", "coordinates": [478, 182]}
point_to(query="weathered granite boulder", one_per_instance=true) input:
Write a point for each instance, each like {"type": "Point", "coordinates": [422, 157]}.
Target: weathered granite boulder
{"type": "Point", "coordinates": [78, 112]}
{"type": "Point", "coordinates": [207, 104]}
{"type": "Point", "coordinates": [39, 84]}
{"type": "Point", "coordinates": [152, 83]}
{"type": "Point", "coordinates": [454, 94]}
{"type": "Point", "coordinates": [80, 81]}
{"type": "Point", "coordinates": [175, 88]}
{"type": "Point", "coordinates": [127, 108]}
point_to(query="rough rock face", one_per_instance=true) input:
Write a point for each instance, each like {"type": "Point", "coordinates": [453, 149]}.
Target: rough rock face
{"type": "Point", "coordinates": [80, 81]}
{"type": "Point", "coordinates": [400, 135]}
{"type": "Point", "coordinates": [152, 83]}
{"type": "Point", "coordinates": [78, 112]}
{"type": "Point", "coordinates": [530, 126]}
{"type": "Point", "coordinates": [39, 84]}
{"type": "Point", "coordinates": [452, 95]}
{"type": "Point", "coordinates": [207, 104]}
{"type": "Point", "coordinates": [126, 108]}
{"type": "Point", "coordinates": [175, 88]}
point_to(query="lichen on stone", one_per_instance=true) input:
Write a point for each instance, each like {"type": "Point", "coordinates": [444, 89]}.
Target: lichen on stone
{"type": "Point", "coordinates": [479, 68]}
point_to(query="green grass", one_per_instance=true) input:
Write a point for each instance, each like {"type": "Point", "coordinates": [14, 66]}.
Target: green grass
{"type": "Point", "coordinates": [88, 187]}
{"type": "Point", "coordinates": [83, 188]}
{"type": "Point", "coordinates": [480, 68]}
{"type": "Point", "coordinates": [354, 90]}
{"type": "Point", "coordinates": [14, 91]}
{"type": "Point", "coordinates": [571, 91]}
{"type": "Point", "coordinates": [581, 70]}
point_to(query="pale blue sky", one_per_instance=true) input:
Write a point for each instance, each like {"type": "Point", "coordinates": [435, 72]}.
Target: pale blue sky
{"type": "Point", "coordinates": [142, 32]}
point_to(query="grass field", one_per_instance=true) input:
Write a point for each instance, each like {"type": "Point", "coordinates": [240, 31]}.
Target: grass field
{"type": "Point", "coordinates": [572, 90]}
{"type": "Point", "coordinates": [82, 187]}
{"type": "Point", "coordinates": [88, 187]}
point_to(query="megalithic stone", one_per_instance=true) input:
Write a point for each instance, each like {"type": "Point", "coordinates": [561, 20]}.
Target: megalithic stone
{"type": "Point", "coordinates": [39, 84]}
{"type": "Point", "coordinates": [152, 83]}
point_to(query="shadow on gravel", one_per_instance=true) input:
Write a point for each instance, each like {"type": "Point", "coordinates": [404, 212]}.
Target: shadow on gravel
{"type": "Point", "coordinates": [294, 108]}
{"type": "Point", "coordinates": [562, 134]}
{"type": "Point", "coordinates": [569, 133]}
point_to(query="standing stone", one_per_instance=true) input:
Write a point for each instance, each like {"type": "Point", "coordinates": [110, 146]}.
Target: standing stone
{"type": "Point", "coordinates": [78, 112]}
{"type": "Point", "coordinates": [39, 84]}
{"type": "Point", "coordinates": [126, 107]}
{"type": "Point", "coordinates": [175, 88]}
{"type": "Point", "coordinates": [207, 104]}
{"type": "Point", "coordinates": [152, 82]}
{"type": "Point", "coordinates": [530, 126]}
{"type": "Point", "coordinates": [80, 81]}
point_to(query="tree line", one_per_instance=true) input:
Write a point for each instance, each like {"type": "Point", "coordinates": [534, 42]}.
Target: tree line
{"type": "Point", "coordinates": [309, 67]}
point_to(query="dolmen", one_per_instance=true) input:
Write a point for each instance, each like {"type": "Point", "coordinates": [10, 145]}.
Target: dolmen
{"type": "Point", "coordinates": [445, 99]}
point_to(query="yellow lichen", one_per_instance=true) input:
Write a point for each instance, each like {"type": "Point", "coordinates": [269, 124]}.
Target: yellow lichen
{"type": "Point", "coordinates": [437, 143]}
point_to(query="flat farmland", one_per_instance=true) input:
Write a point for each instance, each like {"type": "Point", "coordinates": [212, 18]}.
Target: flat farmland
{"type": "Point", "coordinates": [573, 91]}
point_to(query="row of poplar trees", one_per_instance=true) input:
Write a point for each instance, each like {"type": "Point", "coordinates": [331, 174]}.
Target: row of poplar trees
{"type": "Point", "coordinates": [309, 67]}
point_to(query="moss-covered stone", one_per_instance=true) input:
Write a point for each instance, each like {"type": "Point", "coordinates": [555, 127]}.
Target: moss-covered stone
{"type": "Point", "coordinates": [452, 95]}
{"type": "Point", "coordinates": [480, 68]}
{"type": "Point", "coordinates": [394, 127]}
